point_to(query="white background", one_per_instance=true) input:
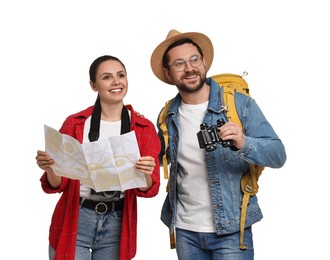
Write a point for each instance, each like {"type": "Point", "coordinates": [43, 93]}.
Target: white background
{"type": "Point", "coordinates": [45, 54]}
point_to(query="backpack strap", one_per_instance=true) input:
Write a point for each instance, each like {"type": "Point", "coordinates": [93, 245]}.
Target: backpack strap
{"type": "Point", "coordinates": [231, 83]}
{"type": "Point", "coordinates": [249, 183]}
{"type": "Point", "coordinates": [172, 238]}
{"type": "Point", "coordinates": [228, 94]}
{"type": "Point", "coordinates": [250, 187]}
{"type": "Point", "coordinates": [163, 126]}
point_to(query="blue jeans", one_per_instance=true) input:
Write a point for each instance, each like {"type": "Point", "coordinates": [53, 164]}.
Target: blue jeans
{"type": "Point", "coordinates": [98, 236]}
{"type": "Point", "coordinates": [210, 246]}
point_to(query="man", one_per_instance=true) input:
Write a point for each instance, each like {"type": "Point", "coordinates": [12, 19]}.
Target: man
{"type": "Point", "coordinates": [203, 204]}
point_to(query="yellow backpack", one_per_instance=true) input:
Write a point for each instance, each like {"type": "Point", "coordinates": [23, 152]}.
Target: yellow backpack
{"type": "Point", "coordinates": [231, 83]}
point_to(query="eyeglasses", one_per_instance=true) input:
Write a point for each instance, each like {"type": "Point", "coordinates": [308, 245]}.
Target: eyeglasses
{"type": "Point", "coordinates": [180, 65]}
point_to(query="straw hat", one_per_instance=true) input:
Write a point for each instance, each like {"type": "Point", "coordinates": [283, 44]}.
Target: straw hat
{"type": "Point", "coordinates": [157, 56]}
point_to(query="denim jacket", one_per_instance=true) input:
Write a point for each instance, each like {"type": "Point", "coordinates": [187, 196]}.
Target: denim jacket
{"type": "Point", "coordinates": [225, 166]}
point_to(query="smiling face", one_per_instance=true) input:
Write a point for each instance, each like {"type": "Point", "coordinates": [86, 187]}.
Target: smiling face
{"type": "Point", "coordinates": [110, 82]}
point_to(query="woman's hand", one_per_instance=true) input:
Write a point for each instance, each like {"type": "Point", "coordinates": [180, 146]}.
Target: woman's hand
{"type": "Point", "coordinates": [146, 165]}
{"type": "Point", "coordinates": [45, 162]}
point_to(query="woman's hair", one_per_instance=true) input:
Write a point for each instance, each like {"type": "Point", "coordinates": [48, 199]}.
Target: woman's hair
{"type": "Point", "coordinates": [96, 63]}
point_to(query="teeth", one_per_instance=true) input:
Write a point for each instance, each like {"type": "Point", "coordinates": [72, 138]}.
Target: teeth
{"type": "Point", "coordinates": [115, 90]}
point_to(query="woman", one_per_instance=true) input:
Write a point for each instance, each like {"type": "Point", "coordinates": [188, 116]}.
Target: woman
{"type": "Point", "coordinates": [101, 225]}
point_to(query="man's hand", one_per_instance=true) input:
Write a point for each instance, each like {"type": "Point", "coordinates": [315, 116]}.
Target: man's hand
{"type": "Point", "coordinates": [232, 131]}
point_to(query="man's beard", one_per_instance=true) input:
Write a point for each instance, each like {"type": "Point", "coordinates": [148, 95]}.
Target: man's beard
{"type": "Point", "coordinates": [187, 89]}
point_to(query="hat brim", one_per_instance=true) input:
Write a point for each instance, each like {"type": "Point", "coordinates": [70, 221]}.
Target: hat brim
{"type": "Point", "coordinates": [157, 56]}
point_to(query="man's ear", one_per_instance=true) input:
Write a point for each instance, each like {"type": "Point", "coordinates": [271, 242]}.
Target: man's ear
{"type": "Point", "coordinates": [167, 74]}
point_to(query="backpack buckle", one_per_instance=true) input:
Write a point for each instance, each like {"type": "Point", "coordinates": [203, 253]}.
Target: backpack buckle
{"type": "Point", "coordinates": [248, 188]}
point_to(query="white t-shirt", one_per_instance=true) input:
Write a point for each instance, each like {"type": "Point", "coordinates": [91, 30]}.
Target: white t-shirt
{"type": "Point", "coordinates": [106, 129]}
{"type": "Point", "coordinates": [194, 211]}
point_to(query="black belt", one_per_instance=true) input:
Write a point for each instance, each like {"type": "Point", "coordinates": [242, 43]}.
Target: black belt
{"type": "Point", "coordinates": [103, 207]}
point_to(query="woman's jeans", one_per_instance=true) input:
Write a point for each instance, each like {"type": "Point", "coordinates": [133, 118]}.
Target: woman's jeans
{"type": "Point", "coordinates": [98, 235]}
{"type": "Point", "coordinates": [210, 246]}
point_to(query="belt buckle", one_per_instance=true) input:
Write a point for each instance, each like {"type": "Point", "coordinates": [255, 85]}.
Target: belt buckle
{"type": "Point", "coordinates": [99, 211]}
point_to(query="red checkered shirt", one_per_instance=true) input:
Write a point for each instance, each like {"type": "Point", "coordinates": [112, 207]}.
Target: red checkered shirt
{"type": "Point", "coordinates": [64, 223]}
